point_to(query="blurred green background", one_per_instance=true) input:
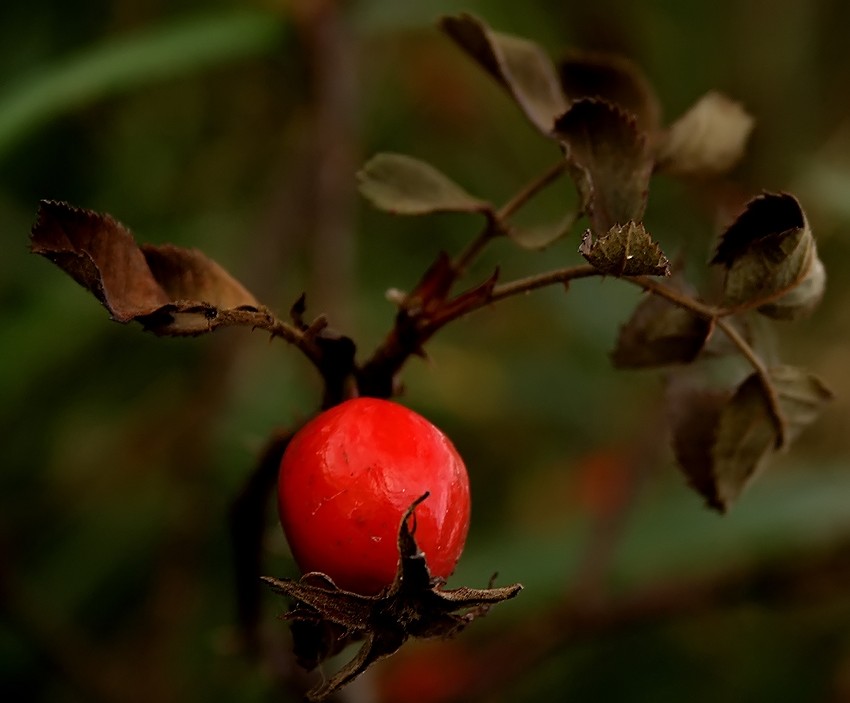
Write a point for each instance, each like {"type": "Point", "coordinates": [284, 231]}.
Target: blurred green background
{"type": "Point", "coordinates": [236, 128]}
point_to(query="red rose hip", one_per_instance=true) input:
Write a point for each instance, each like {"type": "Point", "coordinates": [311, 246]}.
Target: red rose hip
{"type": "Point", "coordinates": [347, 478]}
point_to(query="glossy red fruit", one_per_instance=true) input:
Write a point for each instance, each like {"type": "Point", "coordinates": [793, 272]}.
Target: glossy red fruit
{"type": "Point", "coordinates": [345, 481]}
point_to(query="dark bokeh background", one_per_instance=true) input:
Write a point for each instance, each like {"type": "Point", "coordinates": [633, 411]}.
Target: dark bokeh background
{"type": "Point", "coordinates": [233, 127]}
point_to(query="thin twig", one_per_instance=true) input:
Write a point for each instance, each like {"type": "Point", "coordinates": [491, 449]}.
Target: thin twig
{"type": "Point", "coordinates": [507, 290]}
{"type": "Point", "coordinates": [718, 317]}
{"type": "Point", "coordinates": [533, 188]}
{"type": "Point", "coordinates": [676, 297]}
{"type": "Point", "coordinates": [763, 374]}
{"type": "Point", "coordinates": [497, 222]}
{"type": "Point", "coordinates": [264, 319]}
{"type": "Point", "coordinates": [490, 231]}
{"type": "Point", "coordinates": [530, 283]}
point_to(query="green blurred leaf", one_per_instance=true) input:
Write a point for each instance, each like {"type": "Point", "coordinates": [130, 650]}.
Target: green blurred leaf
{"type": "Point", "coordinates": [403, 185]}
{"type": "Point", "coordinates": [796, 510]}
{"type": "Point", "coordinates": [125, 64]}
{"type": "Point", "coordinates": [519, 65]}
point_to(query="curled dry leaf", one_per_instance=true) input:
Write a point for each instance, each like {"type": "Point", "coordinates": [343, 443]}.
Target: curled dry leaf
{"type": "Point", "coordinates": [414, 605]}
{"type": "Point", "coordinates": [406, 186]}
{"type": "Point", "coordinates": [626, 250]}
{"type": "Point", "coordinates": [169, 289]}
{"type": "Point", "coordinates": [801, 300]}
{"type": "Point", "coordinates": [708, 139]}
{"type": "Point", "coordinates": [722, 443]}
{"type": "Point", "coordinates": [609, 162]}
{"type": "Point", "coordinates": [660, 333]}
{"type": "Point", "coordinates": [612, 78]}
{"type": "Point", "coordinates": [519, 65]}
{"type": "Point", "coordinates": [768, 252]}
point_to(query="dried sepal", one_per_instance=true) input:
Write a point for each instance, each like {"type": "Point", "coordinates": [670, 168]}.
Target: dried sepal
{"type": "Point", "coordinates": [170, 290]}
{"type": "Point", "coordinates": [768, 252]}
{"type": "Point", "coordinates": [414, 605]}
{"type": "Point", "coordinates": [403, 185]}
{"type": "Point", "coordinates": [609, 162]}
{"type": "Point", "coordinates": [626, 250]}
{"type": "Point", "coordinates": [520, 66]}
{"type": "Point", "coordinates": [708, 139]}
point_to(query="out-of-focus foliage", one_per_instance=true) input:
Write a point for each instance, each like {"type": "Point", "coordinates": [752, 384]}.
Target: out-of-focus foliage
{"type": "Point", "coordinates": [196, 124]}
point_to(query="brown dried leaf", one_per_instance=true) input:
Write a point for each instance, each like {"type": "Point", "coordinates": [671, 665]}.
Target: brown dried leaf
{"type": "Point", "coordinates": [658, 334]}
{"type": "Point", "coordinates": [609, 161]}
{"type": "Point", "coordinates": [189, 274]}
{"type": "Point", "coordinates": [612, 78]}
{"type": "Point", "coordinates": [708, 139]}
{"type": "Point", "coordinates": [101, 255]}
{"type": "Point", "coordinates": [170, 290]}
{"type": "Point", "coordinates": [768, 251]}
{"type": "Point", "coordinates": [415, 605]}
{"type": "Point", "coordinates": [746, 431]}
{"type": "Point", "coordinates": [519, 65]}
{"type": "Point", "coordinates": [626, 250]}
{"type": "Point", "coordinates": [403, 185]}
{"type": "Point", "coordinates": [694, 415]}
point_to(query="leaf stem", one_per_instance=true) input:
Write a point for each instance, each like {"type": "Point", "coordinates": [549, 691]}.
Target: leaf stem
{"type": "Point", "coordinates": [552, 174]}
{"type": "Point", "coordinates": [530, 283]}
{"type": "Point", "coordinates": [264, 319]}
{"type": "Point", "coordinates": [761, 370]}
{"type": "Point", "coordinates": [676, 297]}
{"type": "Point", "coordinates": [508, 290]}
{"type": "Point", "coordinates": [490, 231]}
{"type": "Point", "coordinates": [496, 221]}
{"type": "Point", "coordinates": [719, 317]}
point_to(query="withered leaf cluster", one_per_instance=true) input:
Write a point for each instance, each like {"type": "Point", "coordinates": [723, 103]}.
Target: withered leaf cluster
{"type": "Point", "coordinates": [324, 617]}
{"type": "Point", "coordinates": [604, 114]}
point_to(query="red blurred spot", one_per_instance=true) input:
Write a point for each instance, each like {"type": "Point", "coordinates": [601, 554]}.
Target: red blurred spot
{"type": "Point", "coordinates": [604, 481]}
{"type": "Point", "coordinates": [432, 672]}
